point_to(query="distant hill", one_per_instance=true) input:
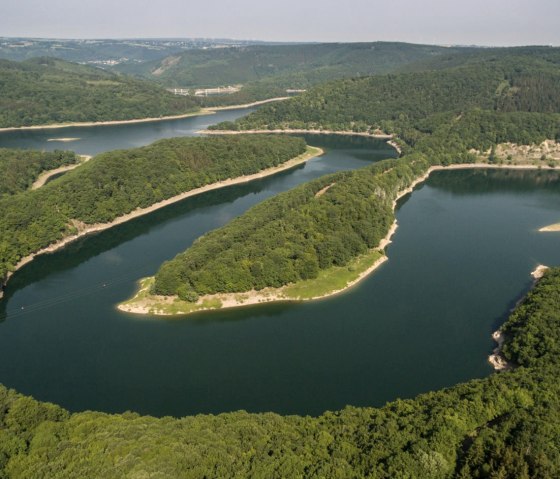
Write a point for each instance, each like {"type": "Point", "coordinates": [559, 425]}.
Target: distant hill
{"type": "Point", "coordinates": [101, 51]}
{"type": "Point", "coordinates": [502, 80]}
{"type": "Point", "coordinates": [292, 66]}
{"type": "Point", "coordinates": [45, 90]}
{"type": "Point", "coordinates": [20, 168]}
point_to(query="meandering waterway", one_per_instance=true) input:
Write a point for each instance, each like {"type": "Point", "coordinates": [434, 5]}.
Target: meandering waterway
{"type": "Point", "coordinates": [466, 243]}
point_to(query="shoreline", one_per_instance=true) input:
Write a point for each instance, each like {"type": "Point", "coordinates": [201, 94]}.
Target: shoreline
{"type": "Point", "coordinates": [298, 131]}
{"type": "Point", "coordinates": [550, 228]}
{"type": "Point", "coordinates": [44, 177]}
{"type": "Point", "coordinates": [201, 112]}
{"type": "Point", "coordinates": [267, 295]}
{"type": "Point", "coordinates": [311, 152]}
{"type": "Point", "coordinates": [496, 359]}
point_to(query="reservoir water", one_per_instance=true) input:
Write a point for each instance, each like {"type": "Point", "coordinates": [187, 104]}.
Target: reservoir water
{"type": "Point", "coordinates": [466, 243]}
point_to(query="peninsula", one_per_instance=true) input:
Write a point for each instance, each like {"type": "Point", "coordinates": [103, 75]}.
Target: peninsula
{"type": "Point", "coordinates": [74, 206]}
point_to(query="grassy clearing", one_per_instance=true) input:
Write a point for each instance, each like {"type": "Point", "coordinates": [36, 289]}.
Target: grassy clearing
{"type": "Point", "coordinates": [163, 305]}
{"type": "Point", "coordinates": [328, 282]}
{"type": "Point", "coordinates": [333, 279]}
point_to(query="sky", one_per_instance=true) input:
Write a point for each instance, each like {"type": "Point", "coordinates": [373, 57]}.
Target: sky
{"type": "Point", "coordinates": [444, 22]}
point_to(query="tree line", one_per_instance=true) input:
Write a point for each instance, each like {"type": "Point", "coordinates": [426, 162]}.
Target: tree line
{"type": "Point", "coordinates": [115, 183]}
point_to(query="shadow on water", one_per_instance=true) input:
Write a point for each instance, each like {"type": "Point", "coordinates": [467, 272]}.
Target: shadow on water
{"type": "Point", "coordinates": [244, 313]}
{"type": "Point", "coordinates": [469, 182]}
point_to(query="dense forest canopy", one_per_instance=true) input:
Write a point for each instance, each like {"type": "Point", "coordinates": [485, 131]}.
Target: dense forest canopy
{"type": "Point", "coordinates": [115, 183]}
{"type": "Point", "coordinates": [289, 66]}
{"type": "Point", "coordinates": [267, 71]}
{"type": "Point", "coordinates": [500, 83]}
{"type": "Point", "coordinates": [293, 235]}
{"type": "Point", "coordinates": [45, 91]}
{"type": "Point", "coordinates": [20, 168]}
{"type": "Point", "coordinates": [503, 426]}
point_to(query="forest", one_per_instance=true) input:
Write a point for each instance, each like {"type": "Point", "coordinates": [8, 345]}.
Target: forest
{"type": "Point", "coordinates": [502, 426]}
{"type": "Point", "coordinates": [118, 182]}
{"type": "Point", "coordinates": [293, 235]}
{"type": "Point", "coordinates": [20, 168]}
{"type": "Point", "coordinates": [287, 66]}
{"type": "Point", "coordinates": [501, 83]}
{"type": "Point", "coordinates": [43, 91]}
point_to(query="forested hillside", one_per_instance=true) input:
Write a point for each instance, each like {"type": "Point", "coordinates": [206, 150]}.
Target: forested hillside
{"type": "Point", "coordinates": [267, 71]}
{"type": "Point", "coordinates": [503, 426]}
{"type": "Point", "coordinates": [293, 235]}
{"type": "Point", "coordinates": [20, 168]}
{"type": "Point", "coordinates": [45, 91]}
{"type": "Point", "coordinates": [115, 183]}
{"type": "Point", "coordinates": [292, 66]}
{"type": "Point", "coordinates": [503, 83]}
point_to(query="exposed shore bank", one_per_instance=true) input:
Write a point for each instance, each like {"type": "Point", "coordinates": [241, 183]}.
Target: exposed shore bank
{"type": "Point", "coordinates": [144, 303]}
{"type": "Point", "coordinates": [311, 152]}
{"type": "Point", "coordinates": [202, 111]}
{"type": "Point", "coordinates": [550, 228]}
{"type": "Point", "coordinates": [497, 359]}
{"type": "Point", "coordinates": [382, 136]}
{"type": "Point", "coordinates": [44, 177]}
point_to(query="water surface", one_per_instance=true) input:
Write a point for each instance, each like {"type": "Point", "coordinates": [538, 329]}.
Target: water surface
{"type": "Point", "coordinates": [462, 255]}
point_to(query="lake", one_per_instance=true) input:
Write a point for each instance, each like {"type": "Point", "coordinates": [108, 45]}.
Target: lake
{"type": "Point", "coordinates": [461, 257]}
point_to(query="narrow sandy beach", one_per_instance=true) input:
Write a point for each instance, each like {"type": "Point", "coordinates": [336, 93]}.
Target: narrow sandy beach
{"type": "Point", "coordinates": [550, 228]}
{"type": "Point", "coordinates": [497, 359]}
{"type": "Point", "coordinates": [202, 111]}
{"type": "Point", "coordinates": [44, 177]}
{"type": "Point", "coordinates": [299, 131]}
{"type": "Point", "coordinates": [235, 300]}
{"type": "Point", "coordinates": [311, 153]}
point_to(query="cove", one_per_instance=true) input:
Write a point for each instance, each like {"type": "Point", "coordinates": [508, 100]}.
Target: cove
{"type": "Point", "coordinates": [466, 243]}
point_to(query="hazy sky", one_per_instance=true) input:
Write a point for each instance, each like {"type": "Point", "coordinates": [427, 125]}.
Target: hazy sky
{"type": "Point", "coordinates": [482, 22]}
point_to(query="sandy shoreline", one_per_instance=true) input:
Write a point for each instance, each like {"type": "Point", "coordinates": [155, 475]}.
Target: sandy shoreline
{"type": "Point", "coordinates": [550, 228]}
{"type": "Point", "coordinates": [497, 359]}
{"type": "Point", "coordinates": [44, 177]}
{"type": "Point", "coordinates": [95, 228]}
{"type": "Point", "coordinates": [201, 112]}
{"type": "Point", "coordinates": [297, 131]}
{"type": "Point", "coordinates": [234, 300]}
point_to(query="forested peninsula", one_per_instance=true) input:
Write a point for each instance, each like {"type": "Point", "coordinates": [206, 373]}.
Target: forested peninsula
{"type": "Point", "coordinates": [505, 425]}
{"type": "Point", "coordinates": [19, 169]}
{"type": "Point", "coordinates": [306, 238]}
{"type": "Point", "coordinates": [45, 91]}
{"type": "Point", "coordinates": [119, 185]}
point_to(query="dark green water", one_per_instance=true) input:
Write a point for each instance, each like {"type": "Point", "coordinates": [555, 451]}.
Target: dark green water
{"type": "Point", "coordinates": [462, 255]}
